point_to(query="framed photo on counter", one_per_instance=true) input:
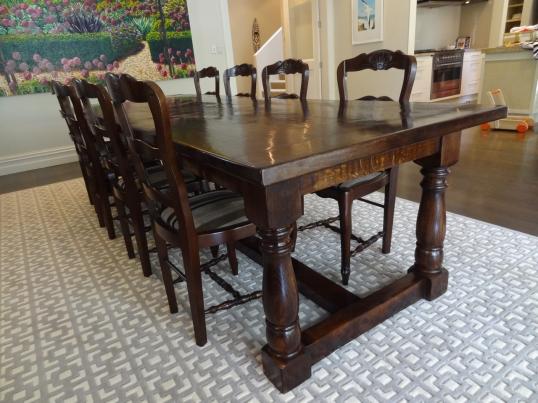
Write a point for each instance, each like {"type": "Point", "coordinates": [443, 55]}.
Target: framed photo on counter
{"type": "Point", "coordinates": [463, 42]}
{"type": "Point", "coordinates": [366, 21]}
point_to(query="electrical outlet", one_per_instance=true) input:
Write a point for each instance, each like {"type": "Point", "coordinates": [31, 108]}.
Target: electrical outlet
{"type": "Point", "coordinates": [213, 49]}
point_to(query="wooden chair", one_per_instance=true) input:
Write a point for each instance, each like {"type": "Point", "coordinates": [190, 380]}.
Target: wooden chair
{"type": "Point", "coordinates": [288, 66]}
{"type": "Point", "coordinates": [244, 70]}
{"type": "Point", "coordinates": [202, 221]}
{"type": "Point", "coordinates": [94, 151]}
{"type": "Point", "coordinates": [120, 172]}
{"type": "Point", "coordinates": [356, 189]}
{"type": "Point", "coordinates": [66, 111]}
{"type": "Point", "coordinates": [207, 72]}
{"type": "Point", "coordinates": [107, 141]}
{"type": "Point", "coordinates": [128, 188]}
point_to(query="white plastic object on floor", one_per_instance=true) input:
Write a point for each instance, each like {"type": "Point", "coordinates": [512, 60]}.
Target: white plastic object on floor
{"type": "Point", "coordinates": [519, 123]}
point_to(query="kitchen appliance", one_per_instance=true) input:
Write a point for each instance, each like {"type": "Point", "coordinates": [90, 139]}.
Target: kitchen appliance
{"type": "Point", "coordinates": [442, 3]}
{"type": "Point", "coordinates": [446, 74]}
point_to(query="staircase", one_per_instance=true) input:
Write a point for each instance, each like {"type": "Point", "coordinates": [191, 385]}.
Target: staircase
{"type": "Point", "coordinates": [277, 86]}
{"type": "Point", "coordinates": [271, 52]}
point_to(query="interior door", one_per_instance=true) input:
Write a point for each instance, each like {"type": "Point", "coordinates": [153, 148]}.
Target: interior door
{"type": "Point", "coordinates": [302, 41]}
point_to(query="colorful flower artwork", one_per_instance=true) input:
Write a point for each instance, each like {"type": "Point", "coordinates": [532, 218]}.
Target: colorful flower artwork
{"type": "Point", "coordinates": [44, 40]}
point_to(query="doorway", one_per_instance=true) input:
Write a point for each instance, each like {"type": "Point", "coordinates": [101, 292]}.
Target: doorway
{"type": "Point", "coordinates": [302, 41]}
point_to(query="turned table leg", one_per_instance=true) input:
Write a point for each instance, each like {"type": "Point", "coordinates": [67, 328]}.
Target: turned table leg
{"type": "Point", "coordinates": [284, 361]}
{"type": "Point", "coordinates": [431, 228]}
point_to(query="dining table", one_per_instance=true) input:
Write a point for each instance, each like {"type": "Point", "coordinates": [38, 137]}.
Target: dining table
{"type": "Point", "coordinates": [274, 154]}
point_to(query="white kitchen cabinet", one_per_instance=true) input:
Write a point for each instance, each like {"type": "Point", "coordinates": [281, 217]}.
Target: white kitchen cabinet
{"type": "Point", "coordinates": [471, 73]}
{"type": "Point", "coordinates": [423, 80]}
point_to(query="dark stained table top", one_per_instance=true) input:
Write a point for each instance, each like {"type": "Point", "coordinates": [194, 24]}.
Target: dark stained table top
{"type": "Point", "coordinates": [269, 145]}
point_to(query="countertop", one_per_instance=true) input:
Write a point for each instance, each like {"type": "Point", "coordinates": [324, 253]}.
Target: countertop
{"type": "Point", "coordinates": [432, 53]}
{"type": "Point", "coordinates": [506, 49]}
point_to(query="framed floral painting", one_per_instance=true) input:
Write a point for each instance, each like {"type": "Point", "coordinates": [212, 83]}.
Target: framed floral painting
{"type": "Point", "coordinates": [366, 21]}
{"type": "Point", "coordinates": [44, 40]}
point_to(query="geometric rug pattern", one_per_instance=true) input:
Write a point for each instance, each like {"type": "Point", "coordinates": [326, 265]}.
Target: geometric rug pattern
{"type": "Point", "coordinates": [79, 322]}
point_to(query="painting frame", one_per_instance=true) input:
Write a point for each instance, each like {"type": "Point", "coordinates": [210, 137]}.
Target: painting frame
{"type": "Point", "coordinates": [365, 29]}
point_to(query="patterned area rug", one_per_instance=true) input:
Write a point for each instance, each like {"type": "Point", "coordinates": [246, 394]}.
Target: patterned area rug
{"type": "Point", "coordinates": [79, 322]}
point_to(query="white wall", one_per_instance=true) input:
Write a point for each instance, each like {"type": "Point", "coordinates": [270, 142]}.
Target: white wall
{"type": "Point", "coordinates": [32, 134]}
{"type": "Point", "coordinates": [476, 21]}
{"type": "Point", "coordinates": [399, 34]}
{"type": "Point", "coordinates": [242, 14]}
{"type": "Point", "coordinates": [437, 27]}
{"type": "Point", "coordinates": [484, 23]}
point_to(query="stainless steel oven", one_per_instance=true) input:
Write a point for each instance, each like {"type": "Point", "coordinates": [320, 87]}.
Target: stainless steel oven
{"type": "Point", "coordinates": [446, 75]}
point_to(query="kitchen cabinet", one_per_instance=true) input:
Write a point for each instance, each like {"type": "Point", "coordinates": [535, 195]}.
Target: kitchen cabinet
{"type": "Point", "coordinates": [423, 79]}
{"type": "Point", "coordinates": [471, 73]}
{"type": "Point", "coordinates": [519, 12]}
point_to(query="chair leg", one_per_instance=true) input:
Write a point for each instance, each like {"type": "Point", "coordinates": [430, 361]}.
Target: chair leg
{"type": "Point", "coordinates": [345, 204]}
{"type": "Point", "coordinates": [140, 236]}
{"type": "Point", "coordinates": [125, 229]}
{"type": "Point", "coordinates": [191, 262]}
{"type": "Point", "coordinates": [162, 251]}
{"type": "Point", "coordinates": [98, 207]}
{"type": "Point", "coordinates": [214, 250]}
{"type": "Point", "coordinates": [86, 181]}
{"type": "Point", "coordinates": [107, 213]}
{"type": "Point", "coordinates": [388, 213]}
{"type": "Point", "coordinates": [232, 258]}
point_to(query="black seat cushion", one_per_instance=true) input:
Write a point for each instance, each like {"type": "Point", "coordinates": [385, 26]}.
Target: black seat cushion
{"type": "Point", "coordinates": [212, 211]}
{"type": "Point", "coordinates": [157, 177]}
{"type": "Point", "coordinates": [359, 181]}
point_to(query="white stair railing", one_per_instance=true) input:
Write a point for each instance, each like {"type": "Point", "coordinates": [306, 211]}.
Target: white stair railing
{"type": "Point", "coordinates": [270, 52]}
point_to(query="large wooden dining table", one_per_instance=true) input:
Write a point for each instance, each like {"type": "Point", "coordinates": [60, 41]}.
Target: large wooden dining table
{"type": "Point", "coordinates": [274, 154]}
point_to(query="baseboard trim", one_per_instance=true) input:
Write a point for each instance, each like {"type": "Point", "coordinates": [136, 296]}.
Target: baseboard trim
{"type": "Point", "coordinates": [37, 159]}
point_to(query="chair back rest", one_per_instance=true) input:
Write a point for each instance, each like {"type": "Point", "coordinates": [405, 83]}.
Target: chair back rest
{"type": "Point", "coordinates": [100, 138]}
{"type": "Point", "coordinates": [288, 66]}
{"type": "Point", "coordinates": [86, 132]}
{"type": "Point", "coordinates": [159, 146]}
{"type": "Point", "coordinates": [68, 114]}
{"type": "Point", "coordinates": [379, 60]}
{"type": "Point", "coordinates": [106, 131]}
{"type": "Point", "coordinates": [207, 72]}
{"type": "Point", "coordinates": [243, 70]}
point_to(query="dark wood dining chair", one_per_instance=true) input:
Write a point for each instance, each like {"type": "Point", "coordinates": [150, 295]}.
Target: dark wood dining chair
{"type": "Point", "coordinates": [102, 190]}
{"type": "Point", "coordinates": [66, 111]}
{"type": "Point", "coordinates": [203, 221]}
{"type": "Point", "coordinates": [356, 189]}
{"type": "Point", "coordinates": [241, 70]}
{"type": "Point", "coordinates": [285, 67]}
{"type": "Point", "coordinates": [122, 180]}
{"type": "Point", "coordinates": [128, 188]}
{"type": "Point", "coordinates": [103, 131]}
{"type": "Point", "coordinates": [208, 72]}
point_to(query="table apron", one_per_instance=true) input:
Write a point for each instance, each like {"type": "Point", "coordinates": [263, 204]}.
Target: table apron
{"type": "Point", "coordinates": [323, 178]}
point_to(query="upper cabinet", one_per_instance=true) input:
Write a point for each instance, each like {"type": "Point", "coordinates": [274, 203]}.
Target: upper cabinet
{"type": "Point", "coordinates": [519, 12]}
{"type": "Point", "coordinates": [442, 3]}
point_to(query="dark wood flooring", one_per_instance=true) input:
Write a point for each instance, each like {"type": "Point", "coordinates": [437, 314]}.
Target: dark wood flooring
{"type": "Point", "coordinates": [39, 177]}
{"type": "Point", "coordinates": [496, 179]}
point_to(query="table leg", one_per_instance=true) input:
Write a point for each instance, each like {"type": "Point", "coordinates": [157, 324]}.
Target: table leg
{"type": "Point", "coordinates": [431, 228]}
{"type": "Point", "coordinates": [284, 360]}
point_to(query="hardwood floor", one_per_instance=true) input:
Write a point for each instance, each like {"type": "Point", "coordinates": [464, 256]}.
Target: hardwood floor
{"type": "Point", "coordinates": [39, 177]}
{"type": "Point", "coordinates": [496, 179]}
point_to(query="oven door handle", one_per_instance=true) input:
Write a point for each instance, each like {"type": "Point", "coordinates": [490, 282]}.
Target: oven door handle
{"type": "Point", "coordinates": [447, 66]}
